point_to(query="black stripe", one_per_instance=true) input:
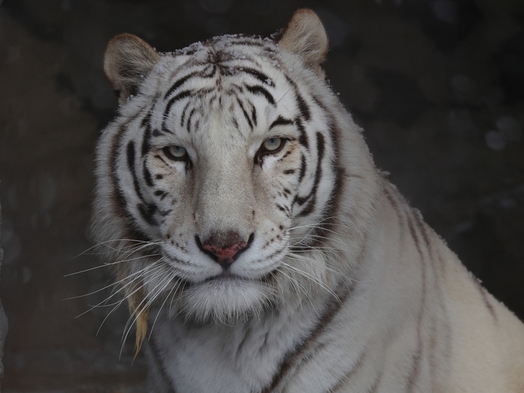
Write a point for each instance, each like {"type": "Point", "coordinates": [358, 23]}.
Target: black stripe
{"type": "Point", "coordinates": [145, 209]}
{"type": "Point", "coordinates": [259, 75]}
{"type": "Point", "coordinates": [178, 83]}
{"type": "Point", "coordinates": [146, 145]}
{"type": "Point", "coordinates": [235, 122]}
{"type": "Point", "coordinates": [318, 174]}
{"type": "Point", "coordinates": [254, 114]}
{"type": "Point", "coordinates": [147, 175]}
{"type": "Point", "coordinates": [245, 113]}
{"type": "Point", "coordinates": [303, 166]}
{"type": "Point", "coordinates": [147, 212]}
{"type": "Point", "coordinates": [179, 96]}
{"type": "Point", "coordinates": [189, 118]}
{"type": "Point", "coordinates": [281, 208]}
{"type": "Point", "coordinates": [259, 90]}
{"type": "Point", "coordinates": [130, 153]}
{"type": "Point", "coordinates": [281, 121]}
{"type": "Point", "coordinates": [146, 142]}
{"type": "Point", "coordinates": [302, 139]}
{"type": "Point", "coordinates": [325, 228]}
{"type": "Point", "coordinates": [164, 213]}
{"type": "Point", "coordinates": [184, 111]}
{"type": "Point", "coordinates": [118, 197]}
{"type": "Point", "coordinates": [161, 194]}
{"type": "Point", "coordinates": [209, 72]}
{"type": "Point", "coordinates": [302, 106]}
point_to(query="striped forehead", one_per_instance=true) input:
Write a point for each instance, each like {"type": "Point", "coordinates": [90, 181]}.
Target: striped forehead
{"type": "Point", "coordinates": [234, 84]}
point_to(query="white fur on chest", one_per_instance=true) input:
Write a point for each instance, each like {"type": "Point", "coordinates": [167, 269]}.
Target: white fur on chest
{"type": "Point", "coordinates": [221, 358]}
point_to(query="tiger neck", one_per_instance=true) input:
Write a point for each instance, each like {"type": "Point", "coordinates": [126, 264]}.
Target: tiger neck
{"type": "Point", "coordinates": [244, 357]}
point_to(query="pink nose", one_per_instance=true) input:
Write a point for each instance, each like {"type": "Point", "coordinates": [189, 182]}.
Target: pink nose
{"type": "Point", "coordinates": [224, 248]}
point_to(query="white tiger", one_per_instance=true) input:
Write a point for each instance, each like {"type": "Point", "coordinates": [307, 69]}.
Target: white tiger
{"type": "Point", "coordinates": [260, 247]}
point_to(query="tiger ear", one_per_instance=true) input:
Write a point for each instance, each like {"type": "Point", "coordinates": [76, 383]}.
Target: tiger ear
{"type": "Point", "coordinates": [127, 60]}
{"type": "Point", "coordinates": [305, 36]}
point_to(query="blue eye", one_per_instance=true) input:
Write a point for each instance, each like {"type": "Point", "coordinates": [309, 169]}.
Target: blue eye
{"type": "Point", "coordinates": [175, 153]}
{"type": "Point", "coordinates": [272, 144]}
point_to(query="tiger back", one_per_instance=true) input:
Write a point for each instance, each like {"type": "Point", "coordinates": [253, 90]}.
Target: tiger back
{"type": "Point", "coordinates": [259, 248]}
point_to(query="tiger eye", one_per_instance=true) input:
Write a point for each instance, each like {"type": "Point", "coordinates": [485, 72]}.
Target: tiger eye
{"type": "Point", "coordinates": [174, 152]}
{"type": "Point", "coordinates": [272, 144]}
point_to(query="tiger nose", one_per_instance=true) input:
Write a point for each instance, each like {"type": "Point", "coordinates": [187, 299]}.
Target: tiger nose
{"type": "Point", "coordinates": [224, 248]}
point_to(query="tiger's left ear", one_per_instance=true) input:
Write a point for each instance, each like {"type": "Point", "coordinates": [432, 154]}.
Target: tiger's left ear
{"type": "Point", "coordinates": [127, 61]}
{"type": "Point", "coordinates": [305, 36]}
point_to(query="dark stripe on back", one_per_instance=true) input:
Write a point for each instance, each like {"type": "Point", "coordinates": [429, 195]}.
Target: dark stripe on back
{"type": "Point", "coordinates": [423, 230]}
{"type": "Point", "coordinates": [414, 236]}
{"type": "Point", "coordinates": [391, 200]}
{"type": "Point", "coordinates": [417, 357]}
{"type": "Point", "coordinates": [485, 299]}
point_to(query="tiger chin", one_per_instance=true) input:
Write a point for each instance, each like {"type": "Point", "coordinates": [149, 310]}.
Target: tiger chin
{"type": "Point", "coordinates": [258, 247]}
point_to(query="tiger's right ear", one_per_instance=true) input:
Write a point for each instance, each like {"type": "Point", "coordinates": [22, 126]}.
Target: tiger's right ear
{"type": "Point", "coordinates": [127, 60]}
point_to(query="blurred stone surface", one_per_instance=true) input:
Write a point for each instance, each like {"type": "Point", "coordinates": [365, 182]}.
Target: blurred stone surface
{"type": "Point", "coordinates": [438, 87]}
{"type": "Point", "coordinates": [3, 317]}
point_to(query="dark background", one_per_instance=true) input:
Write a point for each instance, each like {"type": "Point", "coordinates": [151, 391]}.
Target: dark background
{"type": "Point", "coordinates": [438, 87]}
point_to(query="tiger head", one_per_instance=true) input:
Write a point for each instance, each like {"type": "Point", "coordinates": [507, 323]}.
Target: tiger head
{"type": "Point", "coordinates": [220, 181]}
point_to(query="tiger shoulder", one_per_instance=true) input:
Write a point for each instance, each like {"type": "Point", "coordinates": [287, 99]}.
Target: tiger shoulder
{"type": "Point", "coordinates": [258, 247]}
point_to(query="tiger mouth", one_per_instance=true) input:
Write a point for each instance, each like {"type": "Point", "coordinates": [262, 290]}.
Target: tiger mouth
{"type": "Point", "coordinates": [227, 277]}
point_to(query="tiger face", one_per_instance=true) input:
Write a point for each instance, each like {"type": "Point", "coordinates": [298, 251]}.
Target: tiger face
{"type": "Point", "coordinates": [220, 167]}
